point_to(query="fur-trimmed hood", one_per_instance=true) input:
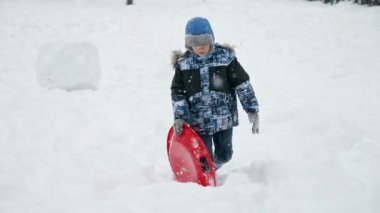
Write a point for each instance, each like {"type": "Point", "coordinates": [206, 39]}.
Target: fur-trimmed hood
{"type": "Point", "coordinates": [178, 54]}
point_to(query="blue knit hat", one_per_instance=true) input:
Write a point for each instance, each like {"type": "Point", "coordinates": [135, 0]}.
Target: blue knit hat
{"type": "Point", "coordinates": [198, 32]}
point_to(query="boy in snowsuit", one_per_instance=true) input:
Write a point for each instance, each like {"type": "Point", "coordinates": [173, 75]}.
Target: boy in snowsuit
{"type": "Point", "coordinates": [207, 81]}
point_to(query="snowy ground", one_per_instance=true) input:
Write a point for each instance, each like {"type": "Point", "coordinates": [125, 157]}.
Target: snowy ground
{"type": "Point", "coordinates": [315, 69]}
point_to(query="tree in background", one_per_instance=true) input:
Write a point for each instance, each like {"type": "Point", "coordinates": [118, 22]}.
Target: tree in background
{"type": "Point", "coordinates": [369, 2]}
{"type": "Point", "coordinates": [129, 2]}
{"type": "Point", "coordinates": [361, 2]}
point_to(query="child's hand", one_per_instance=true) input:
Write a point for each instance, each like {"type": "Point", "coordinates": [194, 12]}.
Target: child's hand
{"type": "Point", "coordinates": [254, 119]}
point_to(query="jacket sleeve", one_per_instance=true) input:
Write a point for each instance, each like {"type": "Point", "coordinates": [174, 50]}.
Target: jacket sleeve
{"type": "Point", "coordinates": [240, 81]}
{"type": "Point", "coordinates": [179, 97]}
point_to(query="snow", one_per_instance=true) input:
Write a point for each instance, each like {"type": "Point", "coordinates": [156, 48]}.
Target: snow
{"type": "Point", "coordinates": [69, 66]}
{"type": "Point", "coordinates": [314, 68]}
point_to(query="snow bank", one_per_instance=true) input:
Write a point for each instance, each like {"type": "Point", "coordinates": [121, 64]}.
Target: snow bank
{"type": "Point", "coordinates": [102, 3]}
{"type": "Point", "coordinates": [314, 67]}
{"type": "Point", "coordinates": [69, 66]}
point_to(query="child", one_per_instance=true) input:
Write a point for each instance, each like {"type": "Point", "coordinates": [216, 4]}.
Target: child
{"type": "Point", "coordinates": [204, 87]}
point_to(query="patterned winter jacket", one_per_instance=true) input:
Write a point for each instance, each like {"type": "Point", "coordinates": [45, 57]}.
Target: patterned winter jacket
{"type": "Point", "coordinates": [203, 90]}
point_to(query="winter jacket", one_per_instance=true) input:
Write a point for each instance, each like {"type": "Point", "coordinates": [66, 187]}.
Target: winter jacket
{"type": "Point", "coordinates": [203, 90]}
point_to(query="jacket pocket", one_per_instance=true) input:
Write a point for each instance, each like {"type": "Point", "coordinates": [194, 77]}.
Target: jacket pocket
{"type": "Point", "coordinates": [219, 80]}
{"type": "Point", "coordinates": [192, 82]}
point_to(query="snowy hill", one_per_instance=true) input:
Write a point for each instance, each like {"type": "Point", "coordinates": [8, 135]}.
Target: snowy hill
{"type": "Point", "coordinates": [315, 69]}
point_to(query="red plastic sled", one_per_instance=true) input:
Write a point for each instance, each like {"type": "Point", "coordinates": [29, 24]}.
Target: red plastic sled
{"type": "Point", "coordinates": [189, 158]}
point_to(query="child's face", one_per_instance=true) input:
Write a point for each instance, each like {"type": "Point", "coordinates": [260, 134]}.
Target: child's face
{"type": "Point", "coordinates": [202, 50]}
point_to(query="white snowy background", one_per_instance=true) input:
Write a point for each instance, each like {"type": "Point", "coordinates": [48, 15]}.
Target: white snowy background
{"type": "Point", "coordinates": [315, 69]}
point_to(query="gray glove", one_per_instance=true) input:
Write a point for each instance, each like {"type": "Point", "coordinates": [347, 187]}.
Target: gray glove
{"type": "Point", "coordinates": [254, 119]}
{"type": "Point", "coordinates": [178, 126]}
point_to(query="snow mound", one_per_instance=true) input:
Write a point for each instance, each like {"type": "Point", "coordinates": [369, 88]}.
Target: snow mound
{"type": "Point", "coordinates": [69, 66]}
